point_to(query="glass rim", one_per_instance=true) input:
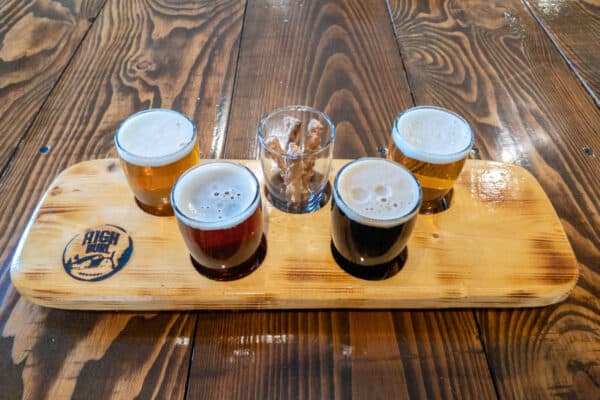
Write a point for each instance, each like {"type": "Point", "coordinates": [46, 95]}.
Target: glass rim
{"type": "Point", "coordinates": [466, 149]}
{"type": "Point", "coordinates": [378, 222]}
{"type": "Point", "coordinates": [323, 147]}
{"type": "Point", "coordinates": [215, 225]}
{"type": "Point", "coordinates": [151, 161]}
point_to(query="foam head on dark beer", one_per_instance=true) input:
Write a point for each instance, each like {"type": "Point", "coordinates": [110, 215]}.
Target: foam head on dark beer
{"type": "Point", "coordinates": [377, 192]}
{"type": "Point", "coordinates": [216, 195]}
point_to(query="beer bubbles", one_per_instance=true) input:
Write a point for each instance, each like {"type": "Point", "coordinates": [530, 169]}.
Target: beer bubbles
{"type": "Point", "coordinates": [377, 192]}
{"type": "Point", "coordinates": [373, 212]}
{"type": "Point", "coordinates": [216, 196]}
{"type": "Point", "coordinates": [219, 212]}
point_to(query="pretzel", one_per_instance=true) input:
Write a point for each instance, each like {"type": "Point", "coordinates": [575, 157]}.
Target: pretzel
{"type": "Point", "coordinates": [292, 177]}
{"type": "Point", "coordinates": [312, 143]}
{"type": "Point", "coordinates": [295, 170]}
{"type": "Point", "coordinates": [274, 145]}
{"type": "Point", "coordinates": [292, 126]}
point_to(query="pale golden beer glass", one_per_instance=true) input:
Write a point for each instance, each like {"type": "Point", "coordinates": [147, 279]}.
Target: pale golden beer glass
{"type": "Point", "coordinates": [155, 147]}
{"type": "Point", "coordinates": [433, 143]}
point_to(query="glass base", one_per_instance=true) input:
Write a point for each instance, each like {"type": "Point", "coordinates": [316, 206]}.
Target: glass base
{"type": "Point", "coordinates": [238, 271]}
{"type": "Point", "coordinates": [437, 205]}
{"type": "Point", "coordinates": [317, 202]}
{"type": "Point", "coordinates": [162, 211]}
{"type": "Point", "coordinates": [370, 272]}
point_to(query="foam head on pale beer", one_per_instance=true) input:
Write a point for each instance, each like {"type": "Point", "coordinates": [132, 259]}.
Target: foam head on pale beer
{"type": "Point", "coordinates": [219, 212]}
{"type": "Point", "coordinates": [155, 147]}
{"type": "Point", "coordinates": [374, 208]}
{"type": "Point", "coordinates": [154, 138]}
{"type": "Point", "coordinates": [434, 144]}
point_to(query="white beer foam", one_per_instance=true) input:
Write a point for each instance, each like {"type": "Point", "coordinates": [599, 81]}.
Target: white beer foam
{"type": "Point", "coordinates": [432, 135]}
{"type": "Point", "coordinates": [377, 192]}
{"type": "Point", "coordinates": [155, 137]}
{"type": "Point", "coordinates": [215, 195]}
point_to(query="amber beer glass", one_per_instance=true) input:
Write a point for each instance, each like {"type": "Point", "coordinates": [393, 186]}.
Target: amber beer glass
{"type": "Point", "coordinates": [433, 143]}
{"type": "Point", "coordinates": [155, 147]}
{"type": "Point", "coordinates": [218, 208]}
{"type": "Point", "coordinates": [374, 207]}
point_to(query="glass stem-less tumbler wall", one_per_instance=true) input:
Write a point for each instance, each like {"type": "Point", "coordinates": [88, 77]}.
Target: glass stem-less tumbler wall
{"type": "Point", "coordinates": [155, 147]}
{"type": "Point", "coordinates": [373, 211]}
{"type": "Point", "coordinates": [296, 148]}
{"type": "Point", "coordinates": [433, 143]}
{"type": "Point", "coordinates": [219, 211]}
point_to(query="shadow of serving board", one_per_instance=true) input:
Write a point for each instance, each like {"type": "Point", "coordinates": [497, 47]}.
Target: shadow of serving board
{"type": "Point", "coordinates": [500, 244]}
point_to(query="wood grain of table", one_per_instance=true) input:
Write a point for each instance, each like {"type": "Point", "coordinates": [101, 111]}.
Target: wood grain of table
{"type": "Point", "coordinates": [528, 108]}
{"type": "Point", "coordinates": [573, 26]}
{"type": "Point", "coordinates": [72, 70]}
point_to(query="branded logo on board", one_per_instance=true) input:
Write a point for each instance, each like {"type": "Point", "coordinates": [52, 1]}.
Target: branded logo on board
{"type": "Point", "coordinates": [97, 253]}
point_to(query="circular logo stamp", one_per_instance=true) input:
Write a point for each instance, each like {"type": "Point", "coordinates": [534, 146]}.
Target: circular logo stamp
{"type": "Point", "coordinates": [97, 253]}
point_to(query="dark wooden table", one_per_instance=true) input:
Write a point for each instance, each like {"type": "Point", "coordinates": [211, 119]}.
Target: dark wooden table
{"type": "Point", "coordinates": [525, 74]}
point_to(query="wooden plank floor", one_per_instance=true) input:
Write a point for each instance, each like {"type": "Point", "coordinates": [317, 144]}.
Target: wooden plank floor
{"type": "Point", "coordinates": [71, 70]}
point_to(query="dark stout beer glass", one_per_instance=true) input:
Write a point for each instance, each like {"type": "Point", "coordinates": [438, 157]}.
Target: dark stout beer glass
{"type": "Point", "coordinates": [218, 208]}
{"type": "Point", "coordinates": [374, 208]}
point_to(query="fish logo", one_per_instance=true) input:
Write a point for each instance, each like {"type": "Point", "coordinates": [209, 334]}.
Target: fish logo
{"type": "Point", "coordinates": [98, 253]}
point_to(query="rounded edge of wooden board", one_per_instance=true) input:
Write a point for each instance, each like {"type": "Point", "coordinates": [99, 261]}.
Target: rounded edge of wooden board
{"type": "Point", "coordinates": [16, 274]}
{"type": "Point", "coordinates": [574, 267]}
{"type": "Point", "coordinates": [568, 286]}
{"type": "Point", "coordinates": [45, 299]}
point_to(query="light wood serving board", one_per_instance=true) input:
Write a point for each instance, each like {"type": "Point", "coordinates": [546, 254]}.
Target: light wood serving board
{"type": "Point", "coordinates": [500, 244]}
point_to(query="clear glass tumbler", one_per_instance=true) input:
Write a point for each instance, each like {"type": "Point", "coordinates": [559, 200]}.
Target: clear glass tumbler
{"type": "Point", "coordinates": [296, 149]}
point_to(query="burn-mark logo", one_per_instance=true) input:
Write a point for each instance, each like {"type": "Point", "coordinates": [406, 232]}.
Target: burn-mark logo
{"type": "Point", "coordinates": [97, 253]}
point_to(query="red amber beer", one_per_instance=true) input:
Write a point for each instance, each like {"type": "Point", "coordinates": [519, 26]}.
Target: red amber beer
{"type": "Point", "coordinates": [155, 147]}
{"type": "Point", "coordinates": [219, 211]}
{"type": "Point", "coordinates": [374, 207]}
{"type": "Point", "coordinates": [433, 143]}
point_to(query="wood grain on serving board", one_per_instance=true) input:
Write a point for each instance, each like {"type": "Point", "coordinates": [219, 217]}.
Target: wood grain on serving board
{"type": "Point", "coordinates": [500, 244]}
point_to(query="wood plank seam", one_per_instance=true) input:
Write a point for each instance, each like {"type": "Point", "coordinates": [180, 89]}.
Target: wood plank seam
{"type": "Point", "coordinates": [507, 334]}
{"type": "Point", "coordinates": [235, 81]}
{"type": "Point", "coordinates": [396, 37]}
{"type": "Point", "coordinates": [477, 156]}
{"type": "Point", "coordinates": [191, 356]}
{"type": "Point", "coordinates": [174, 353]}
{"type": "Point", "coordinates": [486, 354]}
{"type": "Point", "coordinates": [363, 97]}
{"type": "Point", "coordinates": [564, 56]}
{"type": "Point", "coordinates": [217, 154]}
{"type": "Point", "coordinates": [7, 167]}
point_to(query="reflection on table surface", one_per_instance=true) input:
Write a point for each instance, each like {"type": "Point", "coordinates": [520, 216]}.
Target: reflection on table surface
{"type": "Point", "coordinates": [72, 72]}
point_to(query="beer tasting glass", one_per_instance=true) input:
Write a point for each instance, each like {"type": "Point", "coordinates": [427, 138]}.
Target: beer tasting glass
{"type": "Point", "coordinates": [296, 147]}
{"type": "Point", "coordinates": [219, 212]}
{"type": "Point", "coordinates": [374, 208]}
{"type": "Point", "coordinates": [155, 147]}
{"type": "Point", "coordinates": [433, 143]}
